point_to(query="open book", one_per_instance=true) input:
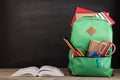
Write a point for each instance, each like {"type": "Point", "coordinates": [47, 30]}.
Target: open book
{"type": "Point", "coordinates": [44, 70]}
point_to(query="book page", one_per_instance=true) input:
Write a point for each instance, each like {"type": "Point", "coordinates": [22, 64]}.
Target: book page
{"type": "Point", "coordinates": [48, 67]}
{"type": "Point", "coordinates": [47, 70]}
{"type": "Point", "coordinates": [50, 73]}
{"type": "Point", "coordinates": [28, 71]}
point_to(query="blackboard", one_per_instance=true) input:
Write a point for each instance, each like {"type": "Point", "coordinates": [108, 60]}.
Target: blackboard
{"type": "Point", "coordinates": [32, 31]}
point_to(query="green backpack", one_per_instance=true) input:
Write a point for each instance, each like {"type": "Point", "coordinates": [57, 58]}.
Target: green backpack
{"type": "Point", "coordinates": [84, 30]}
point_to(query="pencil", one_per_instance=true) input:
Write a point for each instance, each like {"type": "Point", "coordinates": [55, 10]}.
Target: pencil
{"type": "Point", "coordinates": [73, 48]}
{"type": "Point", "coordinates": [69, 44]}
{"type": "Point", "coordinates": [80, 52]}
{"type": "Point", "coordinates": [74, 51]}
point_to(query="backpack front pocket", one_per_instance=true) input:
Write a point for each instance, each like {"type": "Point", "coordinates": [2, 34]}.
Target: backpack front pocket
{"type": "Point", "coordinates": [86, 66]}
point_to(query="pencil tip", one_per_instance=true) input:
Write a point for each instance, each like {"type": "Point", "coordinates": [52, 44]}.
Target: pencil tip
{"type": "Point", "coordinates": [63, 38]}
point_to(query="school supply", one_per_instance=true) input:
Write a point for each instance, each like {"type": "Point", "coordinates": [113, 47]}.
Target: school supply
{"type": "Point", "coordinates": [108, 45]}
{"type": "Point", "coordinates": [97, 55]}
{"type": "Point", "coordinates": [80, 15]}
{"type": "Point", "coordinates": [105, 16]}
{"type": "Point", "coordinates": [76, 52]}
{"type": "Point", "coordinates": [93, 46]}
{"type": "Point", "coordinates": [73, 50]}
{"type": "Point", "coordinates": [84, 30]}
{"type": "Point", "coordinates": [45, 70]}
{"type": "Point", "coordinates": [94, 54]}
{"type": "Point", "coordinates": [90, 28]}
{"type": "Point", "coordinates": [80, 10]}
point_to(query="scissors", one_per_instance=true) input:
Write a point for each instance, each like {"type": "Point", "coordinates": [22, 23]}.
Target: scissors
{"type": "Point", "coordinates": [108, 45]}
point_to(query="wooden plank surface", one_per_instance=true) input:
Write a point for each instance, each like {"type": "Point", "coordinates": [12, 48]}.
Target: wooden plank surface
{"type": "Point", "coordinates": [5, 75]}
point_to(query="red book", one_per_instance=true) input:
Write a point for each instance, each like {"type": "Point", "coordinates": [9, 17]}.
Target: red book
{"type": "Point", "coordinates": [79, 10]}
